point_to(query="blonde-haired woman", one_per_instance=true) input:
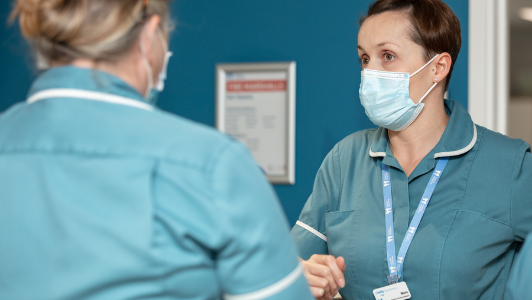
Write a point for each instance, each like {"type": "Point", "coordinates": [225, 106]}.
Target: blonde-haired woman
{"type": "Point", "coordinates": [104, 196]}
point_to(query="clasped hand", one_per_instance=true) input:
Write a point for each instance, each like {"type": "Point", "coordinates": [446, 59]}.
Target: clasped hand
{"type": "Point", "coordinates": [325, 275]}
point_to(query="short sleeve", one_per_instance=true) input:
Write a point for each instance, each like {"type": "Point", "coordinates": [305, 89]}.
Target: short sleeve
{"type": "Point", "coordinates": [518, 286]}
{"type": "Point", "coordinates": [258, 259]}
{"type": "Point", "coordinates": [521, 199]}
{"type": "Point", "coordinates": [309, 231]}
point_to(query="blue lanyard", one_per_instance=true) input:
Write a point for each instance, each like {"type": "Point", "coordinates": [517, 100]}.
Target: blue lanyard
{"type": "Point", "coordinates": [395, 266]}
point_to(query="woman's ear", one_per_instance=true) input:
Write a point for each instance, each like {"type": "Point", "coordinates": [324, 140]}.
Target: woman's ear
{"type": "Point", "coordinates": [149, 34]}
{"type": "Point", "coordinates": [443, 67]}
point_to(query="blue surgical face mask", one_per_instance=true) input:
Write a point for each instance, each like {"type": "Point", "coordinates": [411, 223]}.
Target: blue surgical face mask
{"type": "Point", "coordinates": [152, 93]}
{"type": "Point", "coordinates": [386, 98]}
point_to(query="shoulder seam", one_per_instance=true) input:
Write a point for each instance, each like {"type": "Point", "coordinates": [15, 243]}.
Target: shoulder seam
{"type": "Point", "coordinates": [477, 143]}
{"type": "Point", "coordinates": [337, 160]}
{"type": "Point", "coordinates": [523, 145]}
{"type": "Point", "coordinates": [222, 149]}
{"type": "Point", "coordinates": [160, 158]}
{"type": "Point", "coordinates": [210, 175]}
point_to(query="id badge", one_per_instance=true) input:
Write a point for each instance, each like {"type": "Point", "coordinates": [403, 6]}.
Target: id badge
{"type": "Point", "coordinates": [398, 291]}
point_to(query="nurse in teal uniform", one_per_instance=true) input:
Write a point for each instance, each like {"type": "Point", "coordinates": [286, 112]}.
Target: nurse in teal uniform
{"type": "Point", "coordinates": [428, 204]}
{"type": "Point", "coordinates": [105, 196]}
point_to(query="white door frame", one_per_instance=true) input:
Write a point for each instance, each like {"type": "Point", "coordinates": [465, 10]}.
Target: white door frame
{"type": "Point", "coordinates": [488, 93]}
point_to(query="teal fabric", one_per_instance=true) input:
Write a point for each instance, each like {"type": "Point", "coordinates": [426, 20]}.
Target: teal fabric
{"type": "Point", "coordinates": [520, 282]}
{"type": "Point", "coordinates": [107, 201]}
{"type": "Point", "coordinates": [481, 211]}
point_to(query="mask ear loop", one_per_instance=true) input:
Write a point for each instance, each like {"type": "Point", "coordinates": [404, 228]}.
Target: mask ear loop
{"type": "Point", "coordinates": [419, 106]}
{"type": "Point", "coordinates": [424, 66]}
{"type": "Point", "coordinates": [426, 94]}
{"type": "Point", "coordinates": [163, 41]}
{"type": "Point", "coordinates": [167, 55]}
{"type": "Point", "coordinates": [148, 70]}
{"type": "Point", "coordinates": [433, 86]}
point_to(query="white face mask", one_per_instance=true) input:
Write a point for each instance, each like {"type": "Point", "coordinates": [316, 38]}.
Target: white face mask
{"type": "Point", "coordinates": [152, 92]}
{"type": "Point", "coordinates": [386, 98]}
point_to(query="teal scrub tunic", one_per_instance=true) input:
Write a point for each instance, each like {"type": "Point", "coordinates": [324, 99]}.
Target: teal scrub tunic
{"type": "Point", "coordinates": [104, 196]}
{"type": "Point", "coordinates": [520, 282]}
{"type": "Point", "coordinates": [481, 210]}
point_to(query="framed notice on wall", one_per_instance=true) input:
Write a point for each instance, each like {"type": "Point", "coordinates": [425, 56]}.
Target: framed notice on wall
{"type": "Point", "coordinates": [255, 104]}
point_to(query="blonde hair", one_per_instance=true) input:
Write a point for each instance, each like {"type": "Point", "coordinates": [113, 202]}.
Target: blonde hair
{"type": "Point", "coordinates": [101, 30]}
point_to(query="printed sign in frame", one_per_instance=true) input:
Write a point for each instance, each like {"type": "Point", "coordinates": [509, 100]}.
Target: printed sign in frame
{"type": "Point", "coordinates": [255, 104]}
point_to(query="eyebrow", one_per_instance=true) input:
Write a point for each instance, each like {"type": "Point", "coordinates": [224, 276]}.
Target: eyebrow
{"type": "Point", "coordinates": [379, 45]}
{"type": "Point", "coordinates": [385, 43]}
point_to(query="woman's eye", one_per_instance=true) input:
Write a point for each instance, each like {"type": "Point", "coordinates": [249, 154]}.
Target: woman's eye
{"type": "Point", "coordinates": [364, 61]}
{"type": "Point", "coordinates": [388, 57]}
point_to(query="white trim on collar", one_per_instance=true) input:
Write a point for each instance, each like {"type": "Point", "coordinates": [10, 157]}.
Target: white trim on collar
{"type": "Point", "coordinates": [440, 154]}
{"type": "Point", "coordinates": [88, 95]}
{"type": "Point", "coordinates": [461, 151]}
{"type": "Point", "coordinates": [376, 154]}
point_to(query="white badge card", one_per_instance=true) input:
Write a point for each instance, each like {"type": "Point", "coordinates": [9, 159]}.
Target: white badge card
{"type": "Point", "coordinates": [398, 291]}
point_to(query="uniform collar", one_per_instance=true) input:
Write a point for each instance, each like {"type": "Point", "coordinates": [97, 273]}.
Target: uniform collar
{"type": "Point", "coordinates": [70, 77]}
{"type": "Point", "coordinates": [459, 136]}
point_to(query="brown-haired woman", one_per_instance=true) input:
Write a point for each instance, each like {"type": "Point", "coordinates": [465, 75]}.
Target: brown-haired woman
{"type": "Point", "coordinates": [104, 196]}
{"type": "Point", "coordinates": [428, 205]}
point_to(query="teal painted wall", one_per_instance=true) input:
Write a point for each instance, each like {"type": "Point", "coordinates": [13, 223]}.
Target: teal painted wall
{"type": "Point", "coordinates": [321, 36]}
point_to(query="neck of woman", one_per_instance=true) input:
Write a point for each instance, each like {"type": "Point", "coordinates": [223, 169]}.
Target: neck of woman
{"type": "Point", "coordinates": [411, 145]}
{"type": "Point", "coordinates": [129, 70]}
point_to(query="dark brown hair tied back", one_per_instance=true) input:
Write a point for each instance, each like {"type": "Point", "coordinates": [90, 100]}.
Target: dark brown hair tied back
{"type": "Point", "coordinates": [434, 25]}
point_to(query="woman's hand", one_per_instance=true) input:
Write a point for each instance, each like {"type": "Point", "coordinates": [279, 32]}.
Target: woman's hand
{"type": "Point", "coordinates": [325, 275]}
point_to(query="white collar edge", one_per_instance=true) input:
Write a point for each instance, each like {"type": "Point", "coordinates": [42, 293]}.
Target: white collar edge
{"type": "Point", "coordinates": [376, 154]}
{"type": "Point", "coordinates": [441, 154]}
{"type": "Point", "coordinates": [463, 150]}
{"type": "Point", "coordinates": [88, 95]}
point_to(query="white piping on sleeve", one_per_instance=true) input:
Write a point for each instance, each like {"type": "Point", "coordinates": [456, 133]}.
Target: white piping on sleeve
{"type": "Point", "coordinates": [88, 95]}
{"type": "Point", "coordinates": [271, 290]}
{"type": "Point", "coordinates": [312, 230]}
{"type": "Point", "coordinates": [461, 151]}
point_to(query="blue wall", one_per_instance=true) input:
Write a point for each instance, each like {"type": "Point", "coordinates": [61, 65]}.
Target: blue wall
{"type": "Point", "coordinates": [321, 36]}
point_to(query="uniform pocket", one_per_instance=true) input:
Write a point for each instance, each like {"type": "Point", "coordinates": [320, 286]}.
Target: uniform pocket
{"type": "Point", "coordinates": [477, 257]}
{"type": "Point", "coordinates": [338, 226]}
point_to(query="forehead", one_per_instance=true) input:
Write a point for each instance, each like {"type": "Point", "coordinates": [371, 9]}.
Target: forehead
{"type": "Point", "coordinates": [387, 27]}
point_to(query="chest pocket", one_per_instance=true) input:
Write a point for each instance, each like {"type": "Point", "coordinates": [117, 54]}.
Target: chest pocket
{"type": "Point", "coordinates": [359, 235]}
{"type": "Point", "coordinates": [339, 227]}
{"type": "Point", "coordinates": [362, 244]}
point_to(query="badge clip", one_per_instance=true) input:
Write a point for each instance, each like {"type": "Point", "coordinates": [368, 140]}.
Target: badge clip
{"type": "Point", "coordinates": [393, 279]}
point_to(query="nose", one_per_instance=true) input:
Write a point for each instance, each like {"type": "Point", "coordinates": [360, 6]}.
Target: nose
{"type": "Point", "coordinates": [373, 65]}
